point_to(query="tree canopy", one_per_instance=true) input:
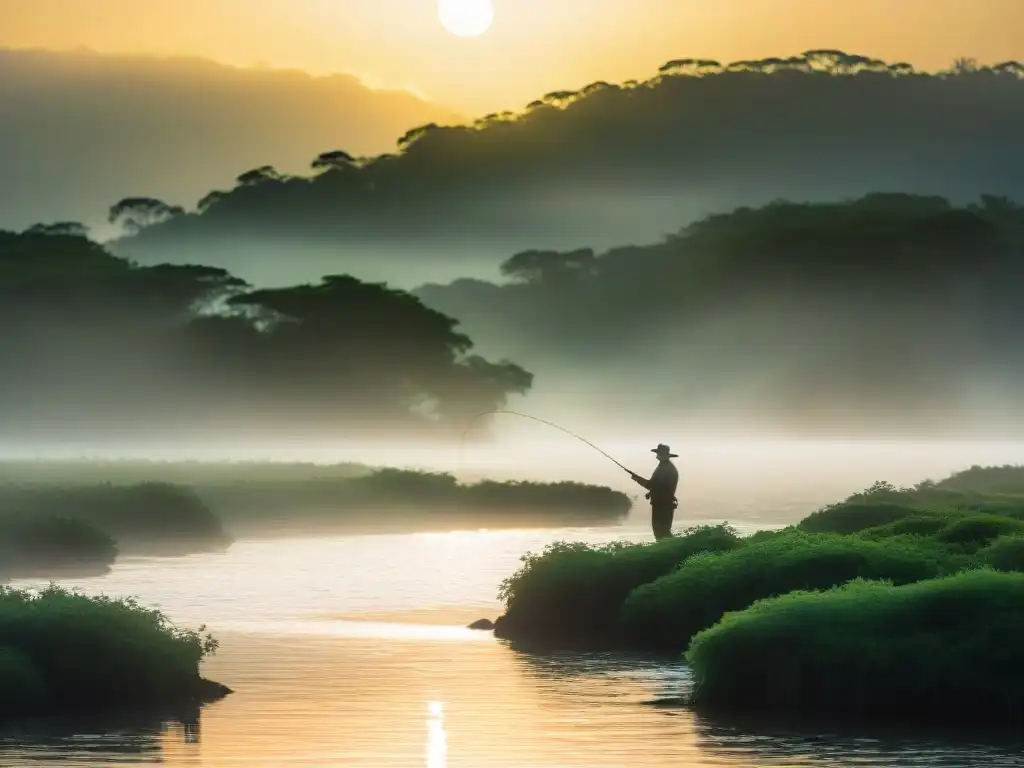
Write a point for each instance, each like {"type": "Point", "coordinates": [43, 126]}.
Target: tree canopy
{"type": "Point", "coordinates": [821, 122]}
{"type": "Point", "coordinates": [889, 310]}
{"type": "Point", "coordinates": [96, 346]}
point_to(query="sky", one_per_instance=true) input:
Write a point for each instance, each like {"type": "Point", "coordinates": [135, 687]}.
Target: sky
{"type": "Point", "coordinates": [534, 46]}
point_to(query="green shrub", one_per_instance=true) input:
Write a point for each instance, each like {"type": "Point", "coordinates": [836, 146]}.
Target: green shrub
{"type": "Point", "coordinates": [665, 614]}
{"type": "Point", "coordinates": [140, 517]}
{"type": "Point", "coordinates": [974, 531]}
{"type": "Point", "coordinates": [1004, 554]}
{"type": "Point", "coordinates": [1007, 479]}
{"type": "Point", "coordinates": [949, 649]}
{"type": "Point", "coordinates": [21, 686]}
{"type": "Point", "coordinates": [571, 593]}
{"type": "Point", "coordinates": [67, 652]}
{"type": "Point", "coordinates": [921, 524]}
{"type": "Point", "coordinates": [854, 516]}
{"type": "Point", "coordinates": [46, 545]}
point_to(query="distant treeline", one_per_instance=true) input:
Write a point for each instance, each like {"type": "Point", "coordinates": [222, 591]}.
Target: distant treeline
{"type": "Point", "coordinates": [77, 521]}
{"type": "Point", "coordinates": [817, 122]}
{"type": "Point", "coordinates": [93, 347]}
{"type": "Point", "coordinates": [887, 312]}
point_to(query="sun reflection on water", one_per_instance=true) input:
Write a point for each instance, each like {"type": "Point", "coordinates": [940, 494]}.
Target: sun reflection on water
{"type": "Point", "coordinates": [437, 739]}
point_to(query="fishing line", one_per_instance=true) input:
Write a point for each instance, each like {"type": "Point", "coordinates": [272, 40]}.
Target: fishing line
{"type": "Point", "coordinates": [470, 423]}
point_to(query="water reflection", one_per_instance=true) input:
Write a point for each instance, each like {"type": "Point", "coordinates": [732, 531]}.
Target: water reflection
{"type": "Point", "coordinates": [91, 741]}
{"type": "Point", "coordinates": [756, 741]}
{"type": "Point", "coordinates": [317, 702]}
{"type": "Point", "coordinates": [437, 739]}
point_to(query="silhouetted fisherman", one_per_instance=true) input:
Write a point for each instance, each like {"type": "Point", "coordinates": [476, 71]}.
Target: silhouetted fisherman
{"type": "Point", "coordinates": [661, 490]}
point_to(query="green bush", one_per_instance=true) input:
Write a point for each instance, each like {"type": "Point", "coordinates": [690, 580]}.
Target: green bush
{"type": "Point", "coordinates": [571, 593]}
{"type": "Point", "coordinates": [854, 516]}
{"type": "Point", "coordinates": [948, 649]}
{"type": "Point", "coordinates": [45, 545]}
{"type": "Point", "coordinates": [1007, 479]}
{"type": "Point", "coordinates": [666, 613]}
{"type": "Point", "coordinates": [922, 524]}
{"type": "Point", "coordinates": [70, 652]}
{"type": "Point", "coordinates": [147, 516]}
{"type": "Point", "coordinates": [1004, 554]}
{"type": "Point", "coordinates": [974, 531]}
{"type": "Point", "coordinates": [22, 688]}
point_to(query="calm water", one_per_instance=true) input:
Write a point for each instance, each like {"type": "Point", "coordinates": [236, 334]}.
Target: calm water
{"type": "Point", "coordinates": [351, 651]}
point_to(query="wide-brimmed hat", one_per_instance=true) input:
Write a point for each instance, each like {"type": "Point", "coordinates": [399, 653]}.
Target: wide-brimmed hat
{"type": "Point", "coordinates": [664, 450]}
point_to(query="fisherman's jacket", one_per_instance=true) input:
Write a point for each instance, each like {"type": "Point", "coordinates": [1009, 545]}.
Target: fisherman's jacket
{"type": "Point", "coordinates": [663, 483]}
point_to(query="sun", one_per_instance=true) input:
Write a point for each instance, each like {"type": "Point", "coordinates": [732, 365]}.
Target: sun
{"type": "Point", "coordinates": [466, 18]}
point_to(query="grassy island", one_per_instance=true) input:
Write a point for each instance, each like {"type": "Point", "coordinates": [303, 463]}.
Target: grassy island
{"type": "Point", "coordinates": [894, 603]}
{"type": "Point", "coordinates": [194, 506]}
{"type": "Point", "coordinates": [63, 652]}
{"type": "Point", "coordinates": [43, 546]}
{"type": "Point", "coordinates": [143, 518]}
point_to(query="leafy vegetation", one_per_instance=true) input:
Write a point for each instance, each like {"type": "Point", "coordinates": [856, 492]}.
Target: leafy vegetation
{"type": "Point", "coordinates": [415, 498]}
{"type": "Point", "coordinates": [666, 613]}
{"type": "Point", "coordinates": [144, 518]}
{"type": "Point", "coordinates": [1004, 554]}
{"type": "Point", "coordinates": [34, 545]}
{"type": "Point", "coordinates": [942, 650]}
{"type": "Point", "coordinates": [571, 594]}
{"type": "Point", "coordinates": [63, 652]}
{"type": "Point", "coordinates": [86, 333]}
{"type": "Point", "coordinates": [601, 136]}
{"type": "Point", "coordinates": [882, 605]}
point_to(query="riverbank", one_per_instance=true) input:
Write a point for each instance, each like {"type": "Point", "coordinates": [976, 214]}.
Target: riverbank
{"type": "Point", "coordinates": [82, 515]}
{"type": "Point", "coordinates": [728, 603]}
{"type": "Point", "coordinates": [63, 652]}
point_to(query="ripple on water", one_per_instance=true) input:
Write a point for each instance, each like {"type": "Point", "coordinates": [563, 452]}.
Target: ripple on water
{"type": "Point", "coordinates": [353, 651]}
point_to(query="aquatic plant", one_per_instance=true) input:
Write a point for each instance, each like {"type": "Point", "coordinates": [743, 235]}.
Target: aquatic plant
{"type": "Point", "coordinates": [667, 613]}
{"type": "Point", "coordinates": [943, 650]}
{"type": "Point", "coordinates": [63, 651]}
{"type": "Point", "coordinates": [571, 593]}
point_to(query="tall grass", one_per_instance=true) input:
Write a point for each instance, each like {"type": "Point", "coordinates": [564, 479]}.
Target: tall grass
{"type": "Point", "coordinates": [62, 651]}
{"type": "Point", "coordinates": [668, 612]}
{"type": "Point", "coordinates": [571, 593]}
{"type": "Point", "coordinates": [948, 649]}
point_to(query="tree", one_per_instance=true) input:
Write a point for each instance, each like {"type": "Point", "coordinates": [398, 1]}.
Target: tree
{"type": "Point", "coordinates": [336, 159]}
{"type": "Point", "coordinates": [259, 175]}
{"type": "Point", "coordinates": [550, 267]}
{"type": "Point", "coordinates": [136, 213]}
{"type": "Point", "coordinates": [66, 228]}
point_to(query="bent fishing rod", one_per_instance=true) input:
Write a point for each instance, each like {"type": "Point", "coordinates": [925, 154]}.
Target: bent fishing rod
{"type": "Point", "coordinates": [548, 423]}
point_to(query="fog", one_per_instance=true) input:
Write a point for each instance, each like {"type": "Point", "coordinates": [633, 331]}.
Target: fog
{"type": "Point", "coordinates": [729, 476]}
{"type": "Point", "coordinates": [80, 130]}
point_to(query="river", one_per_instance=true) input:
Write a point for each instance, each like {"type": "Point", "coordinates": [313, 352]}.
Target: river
{"type": "Point", "coordinates": [353, 651]}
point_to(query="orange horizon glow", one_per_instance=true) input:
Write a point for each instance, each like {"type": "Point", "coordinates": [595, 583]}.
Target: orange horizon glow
{"type": "Point", "coordinates": [533, 47]}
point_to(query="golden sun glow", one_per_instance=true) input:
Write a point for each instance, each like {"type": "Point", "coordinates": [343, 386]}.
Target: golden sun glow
{"type": "Point", "coordinates": [466, 18]}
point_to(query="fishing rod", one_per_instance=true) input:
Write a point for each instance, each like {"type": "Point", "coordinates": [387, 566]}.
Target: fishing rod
{"type": "Point", "coordinates": [542, 421]}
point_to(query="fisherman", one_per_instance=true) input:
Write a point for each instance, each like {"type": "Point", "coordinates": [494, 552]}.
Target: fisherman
{"type": "Point", "coordinates": [661, 490]}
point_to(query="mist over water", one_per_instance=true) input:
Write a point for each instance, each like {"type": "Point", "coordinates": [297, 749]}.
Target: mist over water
{"type": "Point", "coordinates": [711, 466]}
{"type": "Point", "coordinates": [353, 651]}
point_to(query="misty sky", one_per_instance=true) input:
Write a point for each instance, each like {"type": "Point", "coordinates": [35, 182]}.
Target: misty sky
{"type": "Point", "coordinates": [534, 47]}
{"type": "Point", "coordinates": [79, 131]}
